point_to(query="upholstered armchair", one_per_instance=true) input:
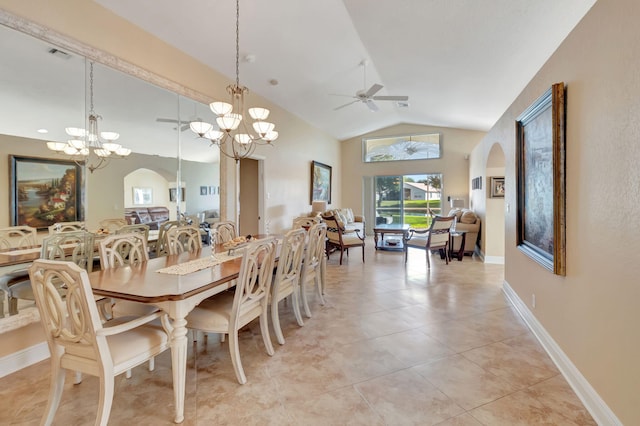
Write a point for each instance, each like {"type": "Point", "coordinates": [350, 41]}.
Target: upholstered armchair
{"type": "Point", "coordinates": [341, 238]}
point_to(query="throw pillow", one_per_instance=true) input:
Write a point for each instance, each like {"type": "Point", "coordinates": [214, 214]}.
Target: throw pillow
{"type": "Point", "coordinates": [468, 217]}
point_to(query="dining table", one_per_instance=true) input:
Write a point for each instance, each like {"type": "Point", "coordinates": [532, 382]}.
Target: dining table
{"type": "Point", "coordinates": [176, 284]}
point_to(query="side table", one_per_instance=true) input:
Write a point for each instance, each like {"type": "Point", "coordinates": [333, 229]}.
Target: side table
{"type": "Point", "coordinates": [460, 253]}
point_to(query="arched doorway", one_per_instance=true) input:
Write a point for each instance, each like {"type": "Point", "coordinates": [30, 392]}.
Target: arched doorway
{"type": "Point", "coordinates": [495, 209]}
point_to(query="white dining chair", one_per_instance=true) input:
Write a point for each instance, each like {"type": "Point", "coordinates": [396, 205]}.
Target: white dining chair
{"type": "Point", "coordinates": [314, 264]}
{"type": "Point", "coordinates": [78, 340]}
{"type": "Point", "coordinates": [183, 239]}
{"type": "Point", "coordinates": [223, 232]}
{"type": "Point", "coordinates": [228, 312]}
{"type": "Point", "coordinates": [286, 281]}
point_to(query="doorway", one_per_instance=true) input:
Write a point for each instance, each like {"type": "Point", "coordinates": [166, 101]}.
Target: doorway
{"type": "Point", "coordinates": [249, 197]}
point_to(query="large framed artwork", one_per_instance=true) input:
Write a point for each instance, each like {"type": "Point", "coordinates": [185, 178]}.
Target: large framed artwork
{"type": "Point", "coordinates": [44, 191]}
{"type": "Point", "coordinates": [320, 183]}
{"type": "Point", "coordinates": [540, 133]}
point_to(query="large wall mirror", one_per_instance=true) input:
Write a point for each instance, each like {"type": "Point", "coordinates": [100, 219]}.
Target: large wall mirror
{"type": "Point", "coordinates": [46, 87]}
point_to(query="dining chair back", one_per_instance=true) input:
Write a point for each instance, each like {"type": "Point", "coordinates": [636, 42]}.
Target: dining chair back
{"type": "Point", "coordinates": [228, 312]}
{"type": "Point", "coordinates": [123, 249]}
{"type": "Point", "coordinates": [18, 237]}
{"type": "Point", "coordinates": [138, 228]}
{"type": "Point", "coordinates": [73, 246]}
{"type": "Point", "coordinates": [223, 232]}
{"type": "Point", "coordinates": [162, 247]}
{"type": "Point", "coordinates": [183, 239]}
{"type": "Point", "coordinates": [314, 264]}
{"type": "Point", "coordinates": [286, 281]}
{"type": "Point", "coordinates": [436, 237]}
{"type": "Point", "coordinates": [66, 227]}
{"type": "Point", "coordinates": [78, 340]}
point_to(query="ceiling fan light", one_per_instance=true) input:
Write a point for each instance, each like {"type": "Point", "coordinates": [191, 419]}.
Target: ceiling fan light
{"type": "Point", "coordinates": [56, 146]}
{"type": "Point", "coordinates": [200, 127]}
{"type": "Point", "coordinates": [258, 113]}
{"type": "Point", "coordinates": [242, 138]}
{"type": "Point", "coordinates": [110, 136]}
{"type": "Point", "coordinates": [221, 108]}
{"type": "Point", "coordinates": [263, 127]}
{"type": "Point", "coordinates": [76, 132]}
{"type": "Point", "coordinates": [111, 147]}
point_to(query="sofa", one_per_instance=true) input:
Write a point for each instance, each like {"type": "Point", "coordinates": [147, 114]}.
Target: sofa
{"type": "Point", "coordinates": [151, 216]}
{"type": "Point", "coordinates": [466, 220]}
{"type": "Point", "coordinates": [347, 220]}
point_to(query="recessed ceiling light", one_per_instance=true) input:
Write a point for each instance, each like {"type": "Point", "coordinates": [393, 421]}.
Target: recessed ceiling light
{"type": "Point", "coordinates": [43, 131]}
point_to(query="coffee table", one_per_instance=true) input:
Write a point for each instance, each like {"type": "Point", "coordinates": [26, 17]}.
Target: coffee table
{"type": "Point", "coordinates": [393, 229]}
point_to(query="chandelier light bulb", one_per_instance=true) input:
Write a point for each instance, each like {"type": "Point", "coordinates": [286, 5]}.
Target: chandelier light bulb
{"type": "Point", "coordinates": [110, 136]}
{"type": "Point", "coordinates": [242, 138]}
{"type": "Point", "coordinates": [263, 127]}
{"type": "Point", "coordinates": [270, 136]}
{"type": "Point", "coordinates": [258, 113]}
{"type": "Point", "coordinates": [111, 147]}
{"type": "Point", "coordinates": [123, 152]}
{"type": "Point", "coordinates": [56, 146]}
{"type": "Point", "coordinates": [200, 127]}
{"type": "Point", "coordinates": [214, 135]}
{"type": "Point", "coordinates": [76, 143]}
{"type": "Point", "coordinates": [221, 108]}
{"type": "Point", "coordinates": [102, 152]}
{"type": "Point", "coordinates": [75, 132]}
{"type": "Point", "coordinates": [229, 122]}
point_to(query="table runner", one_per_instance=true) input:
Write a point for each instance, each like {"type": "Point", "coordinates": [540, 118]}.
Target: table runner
{"type": "Point", "coordinates": [21, 251]}
{"type": "Point", "coordinates": [198, 264]}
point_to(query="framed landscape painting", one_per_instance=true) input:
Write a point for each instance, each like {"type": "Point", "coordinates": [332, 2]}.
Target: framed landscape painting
{"type": "Point", "coordinates": [540, 132]}
{"type": "Point", "coordinates": [320, 182]}
{"type": "Point", "coordinates": [44, 191]}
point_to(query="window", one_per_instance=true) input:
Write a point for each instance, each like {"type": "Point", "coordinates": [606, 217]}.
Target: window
{"type": "Point", "coordinates": [409, 199]}
{"type": "Point", "coordinates": [402, 148]}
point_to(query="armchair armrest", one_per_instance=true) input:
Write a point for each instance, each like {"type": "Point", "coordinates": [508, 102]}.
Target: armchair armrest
{"type": "Point", "coordinates": [130, 325]}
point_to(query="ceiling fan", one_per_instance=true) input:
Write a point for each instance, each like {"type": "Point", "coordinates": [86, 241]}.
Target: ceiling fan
{"type": "Point", "coordinates": [368, 96]}
{"type": "Point", "coordinates": [184, 124]}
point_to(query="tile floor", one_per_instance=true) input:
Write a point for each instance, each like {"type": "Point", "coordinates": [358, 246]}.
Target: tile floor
{"type": "Point", "coordinates": [393, 345]}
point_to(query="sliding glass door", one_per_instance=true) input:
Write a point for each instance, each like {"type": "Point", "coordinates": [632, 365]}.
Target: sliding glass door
{"type": "Point", "coordinates": [408, 199]}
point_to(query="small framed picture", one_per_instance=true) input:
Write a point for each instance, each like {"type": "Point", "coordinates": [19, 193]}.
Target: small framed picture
{"type": "Point", "coordinates": [204, 190]}
{"type": "Point", "coordinates": [497, 187]}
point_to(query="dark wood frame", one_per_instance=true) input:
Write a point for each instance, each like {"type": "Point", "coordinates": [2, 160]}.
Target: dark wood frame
{"type": "Point", "coordinates": [540, 136]}
{"type": "Point", "coordinates": [494, 187]}
{"type": "Point", "coordinates": [316, 169]}
{"type": "Point", "coordinates": [173, 194]}
{"type": "Point", "coordinates": [14, 178]}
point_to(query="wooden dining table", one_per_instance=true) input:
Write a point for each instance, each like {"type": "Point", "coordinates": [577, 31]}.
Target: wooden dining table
{"type": "Point", "coordinates": [176, 295]}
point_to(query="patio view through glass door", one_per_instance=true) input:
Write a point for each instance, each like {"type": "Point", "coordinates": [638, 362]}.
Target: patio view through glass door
{"type": "Point", "coordinates": [408, 199]}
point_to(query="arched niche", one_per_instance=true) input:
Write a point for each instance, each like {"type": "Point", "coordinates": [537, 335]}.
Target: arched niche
{"type": "Point", "coordinates": [494, 224]}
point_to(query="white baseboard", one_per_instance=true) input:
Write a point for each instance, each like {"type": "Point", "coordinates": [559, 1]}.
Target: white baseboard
{"type": "Point", "coordinates": [498, 260]}
{"type": "Point", "coordinates": [598, 409]}
{"type": "Point", "coordinates": [23, 358]}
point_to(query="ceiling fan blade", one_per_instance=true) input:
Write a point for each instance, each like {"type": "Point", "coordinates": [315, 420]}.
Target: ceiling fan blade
{"type": "Point", "coordinates": [345, 105]}
{"type": "Point", "coordinates": [373, 90]}
{"type": "Point", "coordinates": [372, 105]}
{"type": "Point", "coordinates": [184, 127]}
{"type": "Point", "coordinates": [341, 95]}
{"type": "Point", "coordinates": [391, 98]}
{"type": "Point", "coordinates": [166, 120]}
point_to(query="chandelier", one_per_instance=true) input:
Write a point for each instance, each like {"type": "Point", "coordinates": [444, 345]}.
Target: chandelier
{"type": "Point", "coordinates": [90, 147]}
{"type": "Point", "coordinates": [234, 136]}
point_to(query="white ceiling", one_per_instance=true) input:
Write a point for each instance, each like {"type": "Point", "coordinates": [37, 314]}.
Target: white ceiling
{"type": "Point", "coordinates": [461, 62]}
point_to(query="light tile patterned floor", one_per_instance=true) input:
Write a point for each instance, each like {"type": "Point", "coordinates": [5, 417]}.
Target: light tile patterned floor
{"type": "Point", "coordinates": [395, 344]}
